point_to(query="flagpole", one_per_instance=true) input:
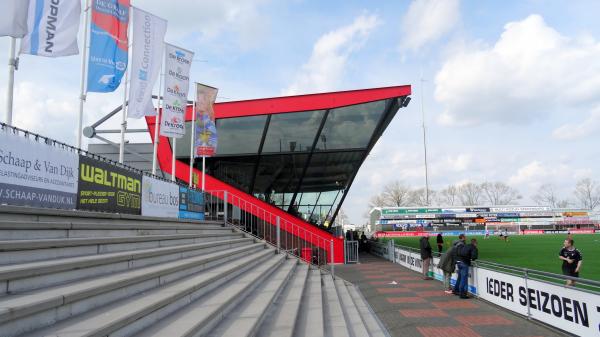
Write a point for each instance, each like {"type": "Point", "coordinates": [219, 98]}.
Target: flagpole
{"type": "Point", "coordinates": [12, 63]}
{"type": "Point", "coordinates": [158, 119]}
{"type": "Point", "coordinates": [203, 170]}
{"type": "Point", "coordinates": [82, 92]}
{"type": "Point", "coordinates": [123, 120]}
{"type": "Point", "coordinates": [193, 126]}
{"type": "Point", "coordinates": [174, 141]}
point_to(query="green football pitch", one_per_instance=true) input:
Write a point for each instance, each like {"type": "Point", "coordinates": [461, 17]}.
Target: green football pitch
{"type": "Point", "coordinates": [538, 252]}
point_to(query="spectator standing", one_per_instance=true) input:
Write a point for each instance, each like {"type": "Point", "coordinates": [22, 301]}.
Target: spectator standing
{"type": "Point", "coordinates": [448, 264]}
{"type": "Point", "coordinates": [440, 243]}
{"type": "Point", "coordinates": [426, 256]}
{"type": "Point", "coordinates": [465, 255]}
{"type": "Point", "coordinates": [572, 260]}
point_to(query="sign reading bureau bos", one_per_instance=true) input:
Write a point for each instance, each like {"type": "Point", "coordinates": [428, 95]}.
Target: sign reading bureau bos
{"type": "Point", "coordinates": [107, 188]}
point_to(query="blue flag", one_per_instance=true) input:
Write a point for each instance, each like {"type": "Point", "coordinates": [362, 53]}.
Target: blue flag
{"type": "Point", "coordinates": [108, 45]}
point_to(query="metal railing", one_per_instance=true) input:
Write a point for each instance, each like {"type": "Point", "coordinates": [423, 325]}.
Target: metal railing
{"type": "Point", "coordinates": [351, 251]}
{"type": "Point", "coordinates": [263, 224]}
{"type": "Point", "coordinates": [531, 274]}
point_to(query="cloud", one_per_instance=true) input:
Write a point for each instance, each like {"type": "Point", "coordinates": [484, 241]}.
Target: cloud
{"type": "Point", "coordinates": [325, 68]}
{"type": "Point", "coordinates": [571, 131]}
{"type": "Point", "coordinates": [428, 20]}
{"type": "Point", "coordinates": [535, 173]}
{"type": "Point", "coordinates": [211, 19]}
{"type": "Point", "coordinates": [530, 72]}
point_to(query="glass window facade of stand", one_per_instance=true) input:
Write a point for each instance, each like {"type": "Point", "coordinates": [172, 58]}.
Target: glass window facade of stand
{"type": "Point", "coordinates": [350, 127]}
{"type": "Point", "coordinates": [283, 168]}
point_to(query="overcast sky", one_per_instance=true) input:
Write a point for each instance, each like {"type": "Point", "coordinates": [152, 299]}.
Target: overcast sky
{"type": "Point", "coordinates": [511, 88]}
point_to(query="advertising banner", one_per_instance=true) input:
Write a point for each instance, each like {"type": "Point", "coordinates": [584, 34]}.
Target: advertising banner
{"type": "Point", "coordinates": [53, 27]}
{"type": "Point", "coordinates": [191, 204]}
{"type": "Point", "coordinates": [36, 174]}
{"type": "Point", "coordinates": [146, 57]}
{"type": "Point", "coordinates": [177, 83]}
{"type": "Point", "coordinates": [569, 309]}
{"type": "Point", "coordinates": [13, 18]}
{"type": "Point", "coordinates": [108, 45]}
{"type": "Point", "coordinates": [206, 130]}
{"type": "Point", "coordinates": [159, 198]}
{"type": "Point", "coordinates": [413, 261]}
{"type": "Point", "coordinates": [106, 188]}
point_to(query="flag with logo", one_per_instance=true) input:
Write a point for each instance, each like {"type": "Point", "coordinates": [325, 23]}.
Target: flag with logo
{"type": "Point", "coordinates": [148, 42]}
{"type": "Point", "coordinates": [13, 18]}
{"type": "Point", "coordinates": [177, 83]}
{"type": "Point", "coordinates": [53, 27]}
{"type": "Point", "coordinates": [108, 45]}
{"type": "Point", "coordinates": [205, 144]}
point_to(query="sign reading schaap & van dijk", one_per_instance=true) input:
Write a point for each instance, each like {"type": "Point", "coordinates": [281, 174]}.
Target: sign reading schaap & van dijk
{"type": "Point", "coordinates": [107, 188]}
{"type": "Point", "coordinates": [570, 309]}
{"type": "Point", "coordinates": [33, 173]}
{"type": "Point", "coordinates": [159, 198]}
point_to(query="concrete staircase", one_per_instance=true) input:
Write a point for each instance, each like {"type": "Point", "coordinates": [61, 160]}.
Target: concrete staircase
{"type": "Point", "coordinates": [88, 274]}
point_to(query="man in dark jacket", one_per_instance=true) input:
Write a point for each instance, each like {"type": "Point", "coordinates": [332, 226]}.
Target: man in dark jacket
{"type": "Point", "coordinates": [426, 256]}
{"type": "Point", "coordinates": [465, 255]}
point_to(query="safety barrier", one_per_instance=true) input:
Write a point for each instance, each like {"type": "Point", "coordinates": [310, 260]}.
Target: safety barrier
{"type": "Point", "coordinates": [535, 294]}
{"type": "Point", "coordinates": [274, 230]}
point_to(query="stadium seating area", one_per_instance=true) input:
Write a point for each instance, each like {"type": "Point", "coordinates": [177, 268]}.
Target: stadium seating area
{"type": "Point", "coordinates": [67, 273]}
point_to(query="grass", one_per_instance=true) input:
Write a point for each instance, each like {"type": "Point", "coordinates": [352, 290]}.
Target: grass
{"type": "Point", "coordinates": [539, 252]}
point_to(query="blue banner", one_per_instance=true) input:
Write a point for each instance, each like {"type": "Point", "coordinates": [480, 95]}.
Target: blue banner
{"type": "Point", "coordinates": [108, 45]}
{"type": "Point", "coordinates": [191, 204]}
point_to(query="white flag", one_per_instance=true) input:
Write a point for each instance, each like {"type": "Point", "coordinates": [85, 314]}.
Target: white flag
{"type": "Point", "coordinates": [148, 42]}
{"type": "Point", "coordinates": [53, 27]}
{"type": "Point", "coordinates": [177, 83]}
{"type": "Point", "coordinates": [13, 17]}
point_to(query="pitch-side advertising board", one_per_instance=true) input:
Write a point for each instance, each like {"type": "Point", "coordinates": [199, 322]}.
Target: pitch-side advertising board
{"type": "Point", "coordinates": [107, 188]}
{"type": "Point", "coordinates": [159, 198]}
{"type": "Point", "coordinates": [33, 173]}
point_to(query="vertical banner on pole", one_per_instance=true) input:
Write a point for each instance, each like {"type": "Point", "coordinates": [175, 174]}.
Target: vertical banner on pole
{"type": "Point", "coordinates": [109, 45]}
{"type": "Point", "coordinates": [177, 82]}
{"type": "Point", "coordinates": [53, 27]}
{"type": "Point", "coordinates": [206, 131]}
{"type": "Point", "coordinates": [13, 18]}
{"type": "Point", "coordinates": [148, 42]}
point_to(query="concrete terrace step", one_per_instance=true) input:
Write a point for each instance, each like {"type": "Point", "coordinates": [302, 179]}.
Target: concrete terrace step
{"type": "Point", "coordinates": [284, 314]}
{"type": "Point", "coordinates": [371, 322]}
{"type": "Point", "coordinates": [95, 230]}
{"type": "Point", "coordinates": [19, 252]}
{"type": "Point", "coordinates": [202, 316]}
{"type": "Point", "coordinates": [45, 307]}
{"type": "Point", "coordinates": [128, 316]}
{"type": "Point", "coordinates": [34, 275]}
{"type": "Point", "coordinates": [354, 320]}
{"type": "Point", "coordinates": [9, 245]}
{"type": "Point", "coordinates": [247, 318]}
{"type": "Point", "coordinates": [335, 322]}
{"type": "Point", "coordinates": [310, 321]}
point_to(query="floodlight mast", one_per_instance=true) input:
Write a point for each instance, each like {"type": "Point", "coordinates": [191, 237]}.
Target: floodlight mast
{"type": "Point", "coordinates": [424, 144]}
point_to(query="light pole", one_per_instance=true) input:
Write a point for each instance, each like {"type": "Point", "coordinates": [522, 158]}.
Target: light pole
{"type": "Point", "coordinates": [424, 144]}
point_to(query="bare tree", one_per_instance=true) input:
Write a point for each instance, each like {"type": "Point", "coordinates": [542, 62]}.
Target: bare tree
{"type": "Point", "coordinates": [396, 194]}
{"type": "Point", "coordinates": [448, 196]}
{"type": "Point", "coordinates": [546, 196]}
{"type": "Point", "coordinates": [419, 198]}
{"type": "Point", "coordinates": [587, 192]}
{"type": "Point", "coordinates": [377, 201]}
{"type": "Point", "coordinates": [342, 218]}
{"type": "Point", "coordinates": [499, 193]}
{"type": "Point", "coordinates": [470, 194]}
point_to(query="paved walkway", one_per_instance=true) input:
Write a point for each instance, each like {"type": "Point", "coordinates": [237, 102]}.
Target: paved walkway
{"type": "Point", "coordinates": [414, 307]}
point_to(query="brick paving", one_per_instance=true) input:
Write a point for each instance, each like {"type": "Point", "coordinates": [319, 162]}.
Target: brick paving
{"type": "Point", "coordinates": [412, 307]}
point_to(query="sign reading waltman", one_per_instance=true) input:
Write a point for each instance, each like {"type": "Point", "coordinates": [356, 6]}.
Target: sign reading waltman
{"type": "Point", "coordinates": [159, 198]}
{"type": "Point", "coordinates": [107, 188]}
{"type": "Point", "coordinates": [191, 204]}
{"type": "Point", "coordinates": [36, 174]}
